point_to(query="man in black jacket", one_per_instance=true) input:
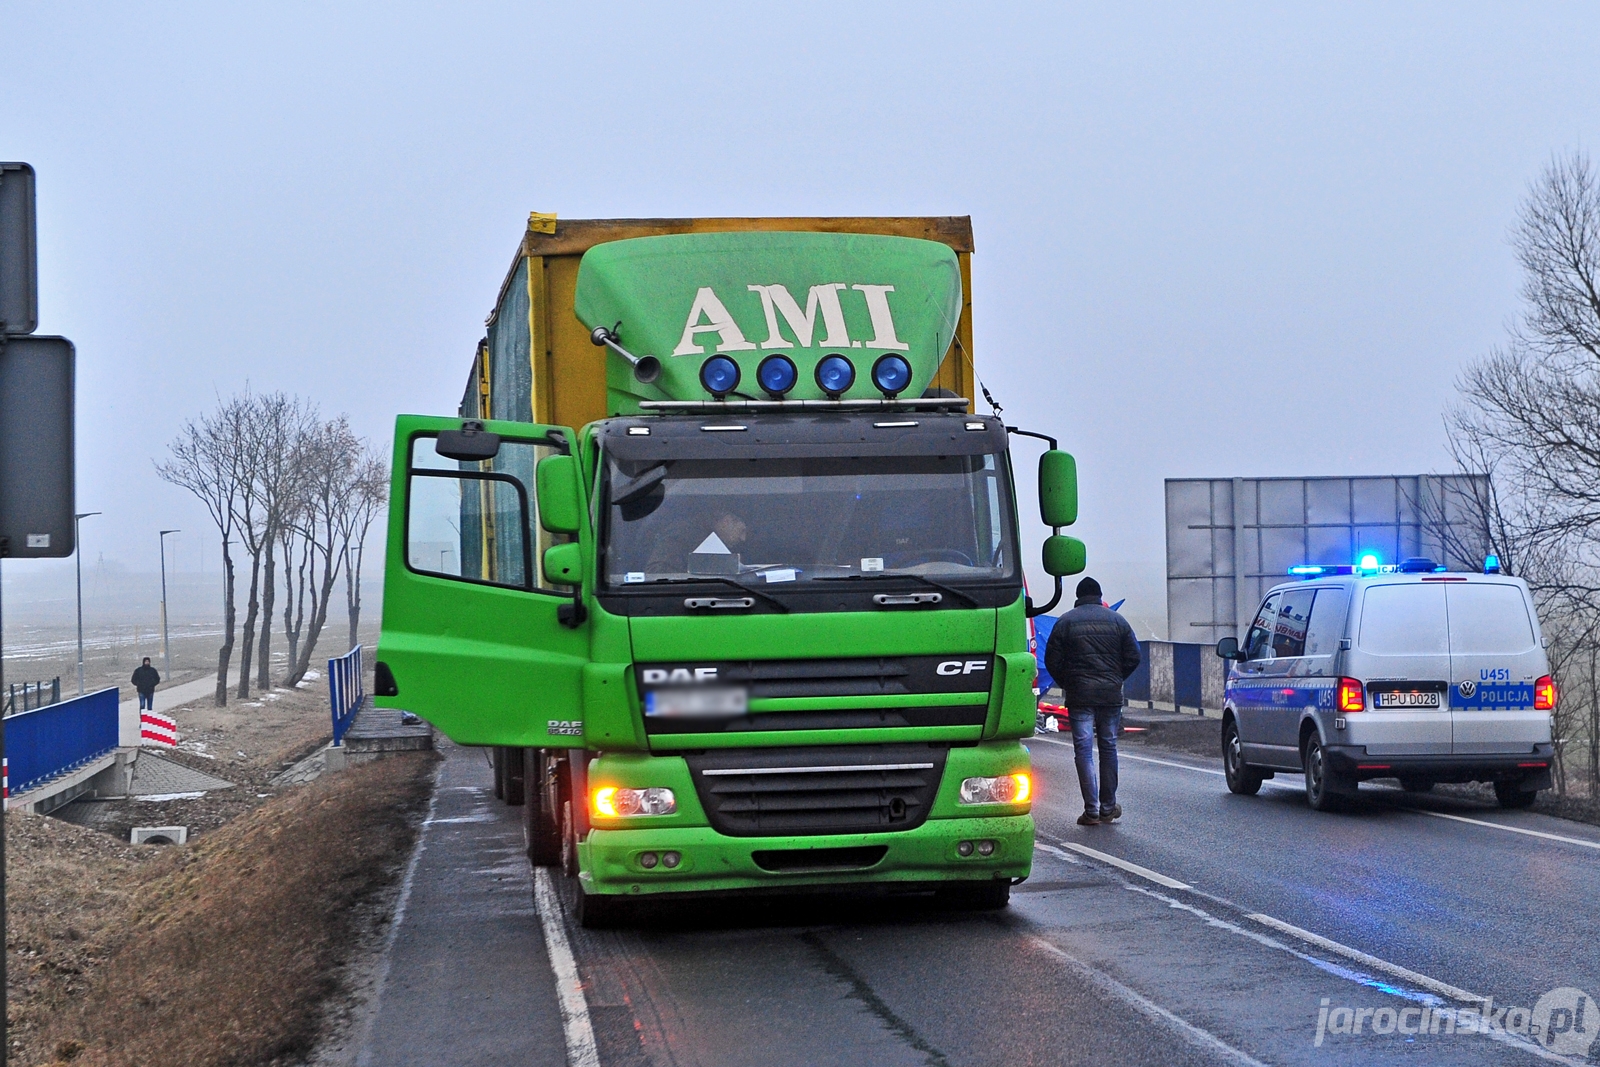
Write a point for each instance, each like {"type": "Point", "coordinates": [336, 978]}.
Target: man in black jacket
{"type": "Point", "coordinates": [145, 679]}
{"type": "Point", "coordinates": [1090, 654]}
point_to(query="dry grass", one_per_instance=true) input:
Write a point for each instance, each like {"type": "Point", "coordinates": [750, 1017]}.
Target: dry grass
{"type": "Point", "coordinates": [220, 953]}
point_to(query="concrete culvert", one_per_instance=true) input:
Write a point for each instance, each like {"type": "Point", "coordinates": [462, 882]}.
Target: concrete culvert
{"type": "Point", "coordinates": [159, 835]}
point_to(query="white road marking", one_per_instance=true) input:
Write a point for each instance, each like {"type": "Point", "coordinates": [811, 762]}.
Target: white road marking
{"type": "Point", "coordinates": [1432, 984]}
{"type": "Point", "coordinates": [1508, 829]}
{"type": "Point", "coordinates": [1128, 755]}
{"type": "Point", "coordinates": [1131, 868]}
{"type": "Point", "coordinates": [1150, 1009]}
{"type": "Point", "coordinates": [581, 1049]}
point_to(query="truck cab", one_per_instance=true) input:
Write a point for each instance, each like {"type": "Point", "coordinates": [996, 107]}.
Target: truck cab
{"type": "Point", "coordinates": [762, 626]}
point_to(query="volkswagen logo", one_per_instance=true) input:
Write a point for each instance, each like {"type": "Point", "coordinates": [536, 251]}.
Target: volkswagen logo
{"type": "Point", "coordinates": [1467, 688]}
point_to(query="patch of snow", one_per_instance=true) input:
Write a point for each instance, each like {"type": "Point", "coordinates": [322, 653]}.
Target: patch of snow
{"type": "Point", "coordinates": [196, 795]}
{"type": "Point", "coordinates": [311, 676]}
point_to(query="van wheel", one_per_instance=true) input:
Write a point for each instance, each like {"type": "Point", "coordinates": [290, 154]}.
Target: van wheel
{"type": "Point", "coordinates": [1512, 795]}
{"type": "Point", "coordinates": [1417, 785]}
{"type": "Point", "coordinates": [1242, 778]}
{"type": "Point", "coordinates": [1319, 778]}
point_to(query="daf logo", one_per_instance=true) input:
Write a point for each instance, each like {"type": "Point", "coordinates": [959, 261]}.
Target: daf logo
{"type": "Point", "coordinates": [1468, 688]}
{"type": "Point", "coordinates": [955, 666]}
{"type": "Point", "coordinates": [679, 676]}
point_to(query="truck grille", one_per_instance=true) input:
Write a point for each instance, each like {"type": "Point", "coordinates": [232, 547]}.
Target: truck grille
{"type": "Point", "coordinates": [856, 789]}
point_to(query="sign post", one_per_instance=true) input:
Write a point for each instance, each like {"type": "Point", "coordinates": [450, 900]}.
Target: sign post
{"type": "Point", "coordinates": [36, 432]}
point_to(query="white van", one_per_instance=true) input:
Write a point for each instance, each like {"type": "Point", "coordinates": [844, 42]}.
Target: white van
{"type": "Point", "coordinates": [1407, 673]}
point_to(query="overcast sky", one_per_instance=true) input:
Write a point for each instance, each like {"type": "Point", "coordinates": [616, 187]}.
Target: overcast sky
{"type": "Point", "coordinates": [1244, 241]}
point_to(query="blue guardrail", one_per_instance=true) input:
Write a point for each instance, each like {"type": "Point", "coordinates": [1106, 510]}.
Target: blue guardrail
{"type": "Point", "coordinates": [345, 691]}
{"type": "Point", "coordinates": [50, 741]}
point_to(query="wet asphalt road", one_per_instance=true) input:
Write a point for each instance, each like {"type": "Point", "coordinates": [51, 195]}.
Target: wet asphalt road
{"type": "Point", "coordinates": [1206, 955]}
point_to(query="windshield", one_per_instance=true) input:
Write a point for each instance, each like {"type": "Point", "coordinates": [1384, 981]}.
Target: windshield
{"type": "Point", "coordinates": [945, 518]}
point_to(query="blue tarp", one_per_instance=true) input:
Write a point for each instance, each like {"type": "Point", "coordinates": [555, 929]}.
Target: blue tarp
{"type": "Point", "coordinates": [1042, 625]}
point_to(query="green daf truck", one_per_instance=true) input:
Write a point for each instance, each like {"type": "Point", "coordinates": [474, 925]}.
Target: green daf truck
{"type": "Point", "coordinates": [717, 560]}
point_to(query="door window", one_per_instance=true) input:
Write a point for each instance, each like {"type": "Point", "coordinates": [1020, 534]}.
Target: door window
{"type": "Point", "coordinates": [1404, 620]}
{"type": "Point", "coordinates": [474, 521]}
{"type": "Point", "coordinates": [1488, 619]}
{"type": "Point", "coordinates": [1289, 629]}
{"type": "Point", "coordinates": [1327, 622]}
{"type": "Point", "coordinates": [1259, 640]}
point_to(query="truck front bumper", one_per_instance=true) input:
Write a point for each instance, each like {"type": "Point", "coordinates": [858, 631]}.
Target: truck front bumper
{"type": "Point", "coordinates": [620, 861]}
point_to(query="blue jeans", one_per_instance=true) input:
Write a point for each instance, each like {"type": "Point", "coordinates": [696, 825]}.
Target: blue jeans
{"type": "Point", "coordinates": [147, 701]}
{"type": "Point", "coordinates": [1089, 724]}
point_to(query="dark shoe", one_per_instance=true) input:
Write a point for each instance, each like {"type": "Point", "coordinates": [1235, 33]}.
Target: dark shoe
{"type": "Point", "coordinates": [1112, 813]}
{"type": "Point", "coordinates": [1088, 818]}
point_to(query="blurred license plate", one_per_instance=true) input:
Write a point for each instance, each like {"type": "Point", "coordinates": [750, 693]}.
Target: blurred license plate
{"type": "Point", "coordinates": [696, 703]}
{"type": "Point", "coordinates": [1411, 699]}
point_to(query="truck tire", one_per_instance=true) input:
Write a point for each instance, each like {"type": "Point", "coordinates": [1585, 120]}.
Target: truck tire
{"type": "Point", "coordinates": [1321, 793]}
{"type": "Point", "coordinates": [569, 840]}
{"type": "Point", "coordinates": [1242, 778]}
{"type": "Point", "coordinates": [497, 760]}
{"type": "Point", "coordinates": [974, 896]}
{"type": "Point", "coordinates": [596, 911]}
{"type": "Point", "coordinates": [540, 828]}
{"type": "Point", "coordinates": [1512, 795]}
{"type": "Point", "coordinates": [511, 760]}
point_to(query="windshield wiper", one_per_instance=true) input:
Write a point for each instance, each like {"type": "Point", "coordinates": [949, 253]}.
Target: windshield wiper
{"type": "Point", "coordinates": [774, 601]}
{"type": "Point", "coordinates": [899, 574]}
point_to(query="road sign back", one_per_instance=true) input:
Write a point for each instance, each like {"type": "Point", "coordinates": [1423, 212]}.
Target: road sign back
{"type": "Point", "coordinates": [36, 447]}
{"type": "Point", "coordinates": [19, 261]}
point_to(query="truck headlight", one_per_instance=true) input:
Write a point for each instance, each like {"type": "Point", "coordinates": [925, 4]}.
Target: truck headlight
{"type": "Point", "coordinates": [1007, 789]}
{"type": "Point", "coordinates": [612, 801]}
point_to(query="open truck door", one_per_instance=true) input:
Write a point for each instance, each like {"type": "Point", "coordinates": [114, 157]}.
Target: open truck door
{"type": "Point", "coordinates": [479, 636]}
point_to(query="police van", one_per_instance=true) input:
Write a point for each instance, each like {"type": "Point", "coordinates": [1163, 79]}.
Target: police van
{"type": "Point", "coordinates": [1407, 672]}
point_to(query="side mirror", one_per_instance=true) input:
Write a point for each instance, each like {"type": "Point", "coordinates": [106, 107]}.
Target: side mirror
{"type": "Point", "coordinates": [1228, 648]}
{"type": "Point", "coordinates": [470, 443]}
{"type": "Point", "coordinates": [1064, 555]}
{"type": "Point", "coordinates": [563, 564]}
{"type": "Point", "coordinates": [1058, 490]}
{"type": "Point", "coordinates": [560, 510]}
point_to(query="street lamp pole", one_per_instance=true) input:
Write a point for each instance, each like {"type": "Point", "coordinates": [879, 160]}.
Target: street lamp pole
{"type": "Point", "coordinates": [166, 647]}
{"type": "Point", "coordinates": [77, 552]}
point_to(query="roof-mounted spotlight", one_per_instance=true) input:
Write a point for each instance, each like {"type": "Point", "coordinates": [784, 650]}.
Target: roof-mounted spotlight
{"type": "Point", "coordinates": [777, 375]}
{"type": "Point", "coordinates": [891, 374]}
{"type": "Point", "coordinates": [835, 375]}
{"type": "Point", "coordinates": [719, 375]}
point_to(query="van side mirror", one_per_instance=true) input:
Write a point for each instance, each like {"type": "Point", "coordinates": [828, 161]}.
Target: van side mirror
{"type": "Point", "coordinates": [1058, 490]}
{"type": "Point", "coordinates": [560, 510]}
{"type": "Point", "coordinates": [563, 564]}
{"type": "Point", "coordinates": [1064, 555]}
{"type": "Point", "coordinates": [1228, 648]}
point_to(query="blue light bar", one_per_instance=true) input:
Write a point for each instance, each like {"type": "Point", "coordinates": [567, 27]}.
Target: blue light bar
{"type": "Point", "coordinates": [1314, 570]}
{"type": "Point", "coordinates": [1491, 564]}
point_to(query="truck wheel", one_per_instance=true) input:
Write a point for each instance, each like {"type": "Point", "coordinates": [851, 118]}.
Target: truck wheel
{"type": "Point", "coordinates": [1241, 777]}
{"type": "Point", "coordinates": [569, 841]}
{"type": "Point", "coordinates": [983, 896]}
{"type": "Point", "coordinates": [1319, 792]}
{"type": "Point", "coordinates": [1417, 785]}
{"type": "Point", "coordinates": [539, 825]}
{"type": "Point", "coordinates": [595, 911]}
{"type": "Point", "coordinates": [511, 760]}
{"type": "Point", "coordinates": [497, 759]}
{"type": "Point", "coordinates": [1511, 795]}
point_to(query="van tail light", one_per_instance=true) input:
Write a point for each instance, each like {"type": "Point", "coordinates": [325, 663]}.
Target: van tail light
{"type": "Point", "coordinates": [1544, 694]}
{"type": "Point", "coordinates": [1351, 695]}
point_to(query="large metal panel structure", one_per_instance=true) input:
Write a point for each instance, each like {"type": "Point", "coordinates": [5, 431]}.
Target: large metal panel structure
{"type": "Point", "coordinates": [1231, 539]}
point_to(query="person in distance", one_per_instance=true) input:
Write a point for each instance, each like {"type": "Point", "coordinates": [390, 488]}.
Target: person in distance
{"type": "Point", "coordinates": [145, 679]}
{"type": "Point", "coordinates": [1091, 652]}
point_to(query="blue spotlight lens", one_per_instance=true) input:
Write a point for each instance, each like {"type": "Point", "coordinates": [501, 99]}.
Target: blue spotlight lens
{"type": "Point", "coordinates": [835, 374]}
{"type": "Point", "coordinates": [891, 374]}
{"type": "Point", "coordinates": [777, 374]}
{"type": "Point", "coordinates": [719, 375]}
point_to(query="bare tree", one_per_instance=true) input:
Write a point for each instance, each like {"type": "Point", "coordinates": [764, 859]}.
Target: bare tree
{"type": "Point", "coordinates": [332, 468]}
{"type": "Point", "coordinates": [370, 496]}
{"type": "Point", "coordinates": [1530, 417]}
{"type": "Point", "coordinates": [281, 423]}
{"type": "Point", "coordinates": [208, 459]}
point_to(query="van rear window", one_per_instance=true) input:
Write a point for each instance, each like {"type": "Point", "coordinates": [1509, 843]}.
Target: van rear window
{"type": "Point", "coordinates": [1488, 618]}
{"type": "Point", "coordinates": [1405, 620]}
